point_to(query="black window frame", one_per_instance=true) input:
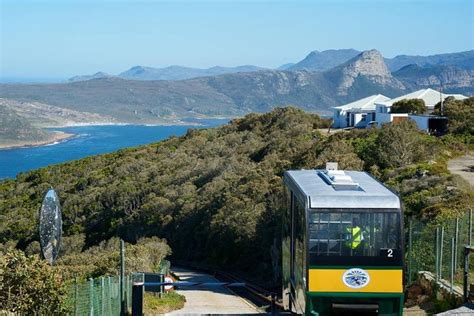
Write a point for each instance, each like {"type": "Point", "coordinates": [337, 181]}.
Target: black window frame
{"type": "Point", "coordinates": [396, 260]}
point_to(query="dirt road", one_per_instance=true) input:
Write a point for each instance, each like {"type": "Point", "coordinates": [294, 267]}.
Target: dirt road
{"type": "Point", "coordinates": [463, 166]}
{"type": "Point", "coordinates": [209, 300]}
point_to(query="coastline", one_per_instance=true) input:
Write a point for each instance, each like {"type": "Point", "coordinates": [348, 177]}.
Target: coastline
{"type": "Point", "coordinates": [169, 122]}
{"type": "Point", "coordinates": [56, 138]}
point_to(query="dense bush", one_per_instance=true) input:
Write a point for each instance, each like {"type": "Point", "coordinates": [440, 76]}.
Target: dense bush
{"type": "Point", "coordinates": [460, 114]}
{"type": "Point", "coordinates": [30, 286]}
{"type": "Point", "coordinates": [400, 144]}
{"type": "Point", "coordinates": [410, 106]}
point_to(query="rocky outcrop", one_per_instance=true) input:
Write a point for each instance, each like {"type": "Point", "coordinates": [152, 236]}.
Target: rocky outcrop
{"type": "Point", "coordinates": [445, 77]}
{"type": "Point", "coordinates": [370, 65]}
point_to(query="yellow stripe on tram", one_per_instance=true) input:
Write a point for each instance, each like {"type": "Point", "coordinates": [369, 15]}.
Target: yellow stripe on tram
{"type": "Point", "coordinates": [332, 280]}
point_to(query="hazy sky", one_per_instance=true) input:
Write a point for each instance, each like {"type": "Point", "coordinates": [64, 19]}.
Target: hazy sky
{"type": "Point", "coordinates": [58, 39]}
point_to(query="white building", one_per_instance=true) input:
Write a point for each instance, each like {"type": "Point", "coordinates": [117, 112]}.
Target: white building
{"type": "Point", "coordinates": [358, 113]}
{"type": "Point", "coordinates": [429, 96]}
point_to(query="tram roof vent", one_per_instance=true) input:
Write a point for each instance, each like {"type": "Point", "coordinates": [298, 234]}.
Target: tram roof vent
{"type": "Point", "coordinates": [337, 178]}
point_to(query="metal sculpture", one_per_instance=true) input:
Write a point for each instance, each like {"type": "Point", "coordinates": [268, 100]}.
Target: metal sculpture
{"type": "Point", "coordinates": [50, 226]}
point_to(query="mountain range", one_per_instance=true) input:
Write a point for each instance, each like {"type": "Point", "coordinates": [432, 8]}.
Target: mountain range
{"type": "Point", "coordinates": [314, 61]}
{"type": "Point", "coordinates": [312, 87]}
{"type": "Point", "coordinates": [320, 61]}
{"type": "Point", "coordinates": [167, 73]}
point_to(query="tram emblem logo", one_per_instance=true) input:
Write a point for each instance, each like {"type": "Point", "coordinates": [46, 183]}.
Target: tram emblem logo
{"type": "Point", "coordinates": [356, 278]}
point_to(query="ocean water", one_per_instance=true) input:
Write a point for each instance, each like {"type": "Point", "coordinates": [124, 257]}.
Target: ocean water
{"type": "Point", "coordinates": [89, 140]}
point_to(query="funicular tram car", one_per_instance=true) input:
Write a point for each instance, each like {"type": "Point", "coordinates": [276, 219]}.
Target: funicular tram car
{"type": "Point", "coordinates": [342, 244]}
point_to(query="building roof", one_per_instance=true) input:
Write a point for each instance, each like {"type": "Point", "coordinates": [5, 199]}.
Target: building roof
{"type": "Point", "coordinates": [430, 96]}
{"type": "Point", "coordinates": [370, 194]}
{"type": "Point", "coordinates": [363, 104]}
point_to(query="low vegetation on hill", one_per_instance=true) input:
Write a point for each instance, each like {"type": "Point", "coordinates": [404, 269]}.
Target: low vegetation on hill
{"type": "Point", "coordinates": [14, 128]}
{"type": "Point", "coordinates": [216, 195]}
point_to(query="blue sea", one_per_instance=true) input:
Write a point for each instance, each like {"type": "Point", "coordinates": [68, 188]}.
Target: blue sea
{"type": "Point", "coordinates": [89, 140]}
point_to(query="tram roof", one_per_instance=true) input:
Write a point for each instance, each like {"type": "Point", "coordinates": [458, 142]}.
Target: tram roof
{"type": "Point", "coordinates": [320, 194]}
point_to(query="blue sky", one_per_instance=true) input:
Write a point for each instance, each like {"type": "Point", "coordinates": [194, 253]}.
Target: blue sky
{"type": "Point", "coordinates": [59, 39]}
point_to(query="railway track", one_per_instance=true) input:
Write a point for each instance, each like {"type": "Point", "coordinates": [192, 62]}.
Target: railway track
{"type": "Point", "coordinates": [262, 298]}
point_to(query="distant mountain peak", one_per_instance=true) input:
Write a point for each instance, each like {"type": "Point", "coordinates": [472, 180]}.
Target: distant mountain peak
{"type": "Point", "coordinates": [97, 75]}
{"type": "Point", "coordinates": [176, 72]}
{"type": "Point", "coordinates": [369, 64]}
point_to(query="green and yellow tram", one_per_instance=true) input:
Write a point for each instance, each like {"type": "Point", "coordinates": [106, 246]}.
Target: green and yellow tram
{"type": "Point", "coordinates": [342, 244]}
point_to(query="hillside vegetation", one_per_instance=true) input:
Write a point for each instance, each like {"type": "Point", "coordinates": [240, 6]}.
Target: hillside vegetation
{"type": "Point", "coordinates": [14, 128]}
{"type": "Point", "coordinates": [216, 194]}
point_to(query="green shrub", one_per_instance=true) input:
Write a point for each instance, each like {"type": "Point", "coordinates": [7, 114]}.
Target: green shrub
{"type": "Point", "coordinates": [460, 114]}
{"type": "Point", "coordinates": [410, 106]}
{"type": "Point", "coordinates": [30, 286]}
{"type": "Point", "coordinates": [400, 144]}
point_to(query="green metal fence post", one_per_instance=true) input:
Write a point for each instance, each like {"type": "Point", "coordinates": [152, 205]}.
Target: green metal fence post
{"type": "Point", "coordinates": [410, 250]}
{"type": "Point", "coordinates": [437, 254]}
{"type": "Point", "coordinates": [441, 253]}
{"type": "Point", "coordinates": [453, 246]}
{"type": "Point", "coordinates": [127, 292]}
{"type": "Point", "coordinates": [109, 296]}
{"type": "Point", "coordinates": [466, 252]}
{"type": "Point", "coordinates": [162, 288]}
{"type": "Point", "coordinates": [122, 277]}
{"type": "Point", "coordinates": [102, 294]}
{"type": "Point", "coordinates": [75, 296]}
{"type": "Point", "coordinates": [91, 297]}
{"type": "Point", "coordinates": [456, 241]}
{"type": "Point", "coordinates": [470, 228]}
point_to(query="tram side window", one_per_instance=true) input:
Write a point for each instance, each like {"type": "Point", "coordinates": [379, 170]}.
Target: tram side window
{"type": "Point", "coordinates": [299, 238]}
{"type": "Point", "coordinates": [354, 234]}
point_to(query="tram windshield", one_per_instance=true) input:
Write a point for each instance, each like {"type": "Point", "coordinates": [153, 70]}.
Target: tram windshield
{"type": "Point", "coordinates": [366, 235]}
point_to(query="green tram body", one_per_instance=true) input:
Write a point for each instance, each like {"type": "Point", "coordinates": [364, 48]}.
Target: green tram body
{"type": "Point", "coordinates": [327, 264]}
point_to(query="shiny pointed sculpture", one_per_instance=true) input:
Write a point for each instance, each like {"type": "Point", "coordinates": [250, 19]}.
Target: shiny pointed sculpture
{"type": "Point", "coordinates": [50, 226]}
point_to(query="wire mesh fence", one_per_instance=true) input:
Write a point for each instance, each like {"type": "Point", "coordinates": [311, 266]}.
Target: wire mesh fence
{"type": "Point", "coordinates": [100, 296]}
{"type": "Point", "coordinates": [438, 248]}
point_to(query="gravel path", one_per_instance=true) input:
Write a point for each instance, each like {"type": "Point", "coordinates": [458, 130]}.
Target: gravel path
{"type": "Point", "coordinates": [211, 300]}
{"type": "Point", "coordinates": [463, 166]}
